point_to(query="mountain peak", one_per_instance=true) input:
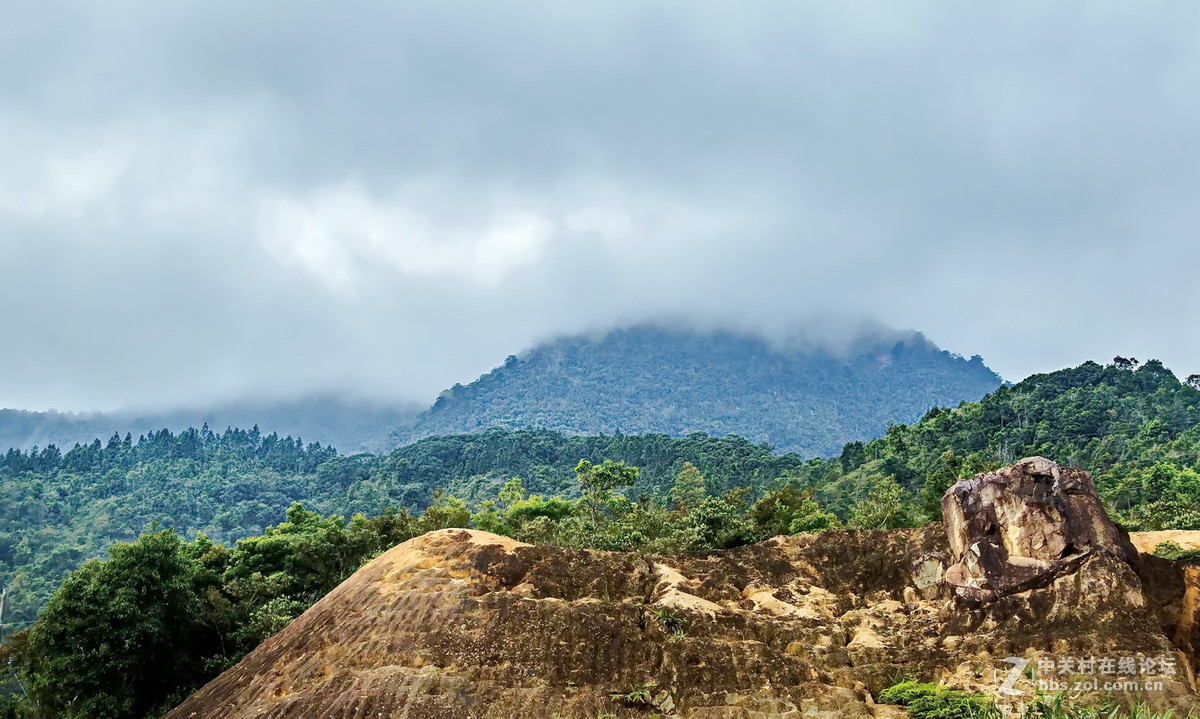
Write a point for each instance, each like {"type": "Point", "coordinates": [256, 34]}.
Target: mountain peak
{"type": "Point", "coordinates": [791, 392]}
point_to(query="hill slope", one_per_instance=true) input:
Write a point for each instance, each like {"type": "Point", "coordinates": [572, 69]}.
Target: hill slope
{"type": "Point", "coordinates": [650, 379]}
{"type": "Point", "coordinates": [1136, 430]}
{"type": "Point", "coordinates": [458, 624]}
{"type": "Point", "coordinates": [58, 509]}
{"type": "Point", "coordinates": [350, 425]}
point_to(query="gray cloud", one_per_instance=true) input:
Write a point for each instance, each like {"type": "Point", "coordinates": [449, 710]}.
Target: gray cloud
{"type": "Point", "coordinates": [206, 200]}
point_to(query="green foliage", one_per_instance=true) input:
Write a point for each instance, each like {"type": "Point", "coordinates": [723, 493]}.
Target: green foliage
{"type": "Point", "coordinates": [673, 381]}
{"type": "Point", "coordinates": [1060, 706]}
{"type": "Point", "coordinates": [473, 466]}
{"type": "Point", "coordinates": [130, 636]}
{"type": "Point", "coordinates": [120, 636]}
{"type": "Point", "coordinates": [689, 488]}
{"type": "Point", "coordinates": [789, 510]}
{"type": "Point", "coordinates": [934, 701]}
{"type": "Point", "coordinates": [672, 622]}
{"type": "Point", "coordinates": [884, 507]}
{"type": "Point", "coordinates": [1137, 431]}
{"type": "Point", "coordinates": [640, 695]}
{"type": "Point", "coordinates": [13, 707]}
{"type": "Point", "coordinates": [602, 479]}
{"type": "Point", "coordinates": [1172, 550]}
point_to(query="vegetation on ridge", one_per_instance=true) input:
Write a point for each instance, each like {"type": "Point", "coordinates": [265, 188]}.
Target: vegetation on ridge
{"type": "Point", "coordinates": [130, 636]}
{"type": "Point", "coordinates": [59, 509]}
{"type": "Point", "coordinates": [934, 701]}
{"type": "Point", "coordinates": [653, 379]}
{"type": "Point", "coordinates": [1136, 427]}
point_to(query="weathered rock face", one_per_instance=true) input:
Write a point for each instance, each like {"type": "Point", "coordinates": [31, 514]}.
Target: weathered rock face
{"type": "Point", "coordinates": [1024, 525]}
{"type": "Point", "coordinates": [463, 625]}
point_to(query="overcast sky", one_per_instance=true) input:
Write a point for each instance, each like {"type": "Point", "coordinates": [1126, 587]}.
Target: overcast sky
{"type": "Point", "coordinates": [201, 200]}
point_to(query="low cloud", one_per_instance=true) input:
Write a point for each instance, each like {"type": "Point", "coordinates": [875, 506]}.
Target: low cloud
{"type": "Point", "coordinates": [203, 201]}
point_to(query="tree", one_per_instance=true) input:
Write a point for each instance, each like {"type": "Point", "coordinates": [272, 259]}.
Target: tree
{"type": "Point", "coordinates": [689, 488]}
{"type": "Point", "coordinates": [598, 482]}
{"type": "Point", "coordinates": [445, 513]}
{"type": "Point", "coordinates": [120, 637]}
{"type": "Point", "coordinates": [604, 478]}
{"type": "Point", "coordinates": [512, 492]}
{"type": "Point", "coordinates": [885, 507]}
{"type": "Point", "coordinates": [789, 511]}
{"type": "Point", "coordinates": [720, 522]}
{"type": "Point", "coordinates": [938, 480]}
{"type": "Point", "coordinates": [1125, 363]}
{"type": "Point", "coordinates": [1193, 381]}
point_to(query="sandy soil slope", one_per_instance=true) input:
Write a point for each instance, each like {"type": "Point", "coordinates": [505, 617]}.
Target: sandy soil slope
{"type": "Point", "coordinates": [1147, 541]}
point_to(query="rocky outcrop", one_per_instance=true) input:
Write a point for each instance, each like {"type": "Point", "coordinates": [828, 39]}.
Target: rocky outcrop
{"type": "Point", "coordinates": [1022, 526]}
{"type": "Point", "coordinates": [461, 624]}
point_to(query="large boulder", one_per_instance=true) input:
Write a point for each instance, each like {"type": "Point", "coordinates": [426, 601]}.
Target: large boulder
{"type": "Point", "coordinates": [1023, 526]}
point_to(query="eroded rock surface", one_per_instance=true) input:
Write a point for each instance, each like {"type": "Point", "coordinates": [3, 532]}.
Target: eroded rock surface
{"type": "Point", "coordinates": [1024, 525]}
{"type": "Point", "coordinates": [461, 624]}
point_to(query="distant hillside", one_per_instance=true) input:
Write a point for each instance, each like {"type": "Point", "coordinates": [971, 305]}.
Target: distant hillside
{"type": "Point", "coordinates": [349, 425]}
{"type": "Point", "coordinates": [649, 379]}
{"type": "Point", "coordinates": [1137, 429]}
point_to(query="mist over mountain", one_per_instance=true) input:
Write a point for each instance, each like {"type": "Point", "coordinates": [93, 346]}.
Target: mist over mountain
{"type": "Point", "coordinates": [351, 425]}
{"type": "Point", "coordinates": [797, 397]}
{"type": "Point", "coordinates": [800, 392]}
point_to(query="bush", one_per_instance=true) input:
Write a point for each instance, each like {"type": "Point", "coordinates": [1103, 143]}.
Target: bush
{"type": "Point", "coordinates": [933, 701]}
{"type": "Point", "coordinates": [1059, 706]}
{"type": "Point", "coordinates": [1172, 550]}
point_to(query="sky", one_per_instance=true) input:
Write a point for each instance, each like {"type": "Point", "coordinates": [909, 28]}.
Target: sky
{"type": "Point", "coordinates": [201, 201]}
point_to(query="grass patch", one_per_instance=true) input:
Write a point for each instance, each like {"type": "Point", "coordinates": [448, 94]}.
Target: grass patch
{"type": "Point", "coordinates": [1059, 706]}
{"type": "Point", "coordinates": [934, 701]}
{"type": "Point", "coordinates": [640, 695]}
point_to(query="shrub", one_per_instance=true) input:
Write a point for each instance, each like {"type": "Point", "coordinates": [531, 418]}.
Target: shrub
{"type": "Point", "coordinates": [1172, 550]}
{"type": "Point", "coordinates": [933, 701]}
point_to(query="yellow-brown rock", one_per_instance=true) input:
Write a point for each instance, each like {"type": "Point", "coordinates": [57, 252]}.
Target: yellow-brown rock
{"type": "Point", "coordinates": [461, 624]}
{"type": "Point", "coordinates": [1023, 526]}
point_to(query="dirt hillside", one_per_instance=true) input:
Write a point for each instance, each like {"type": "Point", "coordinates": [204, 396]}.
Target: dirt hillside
{"type": "Point", "coordinates": [1147, 541]}
{"type": "Point", "coordinates": [460, 624]}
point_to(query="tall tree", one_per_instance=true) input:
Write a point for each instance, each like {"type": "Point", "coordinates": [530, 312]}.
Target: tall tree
{"type": "Point", "coordinates": [689, 488]}
{"type": "Point", "coordinates": [120, 637]}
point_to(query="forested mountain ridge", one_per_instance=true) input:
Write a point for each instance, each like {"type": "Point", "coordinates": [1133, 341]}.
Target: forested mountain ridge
{"type": "Point", "coordinates": [1136, 428]}
{"type": "Point", "coordinates": [58, 509]}
{"type": "Point", "coordinates": [351, 425]}
{"type": "Point", "coordinates": [643, 379]}
{"type": "Point", "coordinates": [675, 381]}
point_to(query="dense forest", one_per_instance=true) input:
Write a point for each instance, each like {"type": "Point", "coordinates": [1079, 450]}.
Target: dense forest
{"type": "Point", "coordinates": [796, 397]}
{"type": "Point", "coordinates": [108, 642]}
{"type": "Point", "coordinates": [1136, 428]}
{"type": "Point", "coordinates": [58, 509]}
{"type": "Point", "coordinates": [130, 636]}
